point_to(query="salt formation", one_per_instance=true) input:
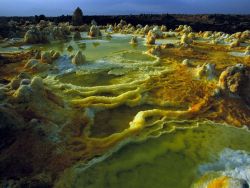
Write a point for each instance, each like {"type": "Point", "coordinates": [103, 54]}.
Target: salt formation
{"type": "Point", "coordinates": [79, 58]}
{"type": "Point", "coordinates": [207, 34]}
{"type": "Point", "coordinates": [36, 65]}
{"type": "Point", "coordinates": [207, 71]}
{"type": "Point", "coordinates": [43, 63]}
{"type": "Point", "coordinates": [134, 40]}
{"type": "Point", "coordinates": [120, 26]}
{"type": "Point", "coordinates": [38, 98]}
{"type": "Point", "coordinates": [185, 40]}
{"type": "Point", "coordinates": [157, 32]}
{"type": "Point", "coordinates": [132, 80]}
{"type": "Point", "coordinates": [163, 28]}
{"type": "Point", "coordinates": [186, 62]}
{"type": "Point", "coordinates": [125, 29]}
{"type": "Point", "coordinates": [191, 36]}
{"type": "Point", "coordinates": [241, 36]}
{"type": "Point", "coordinates": [184, 29]}
{"type": "Point", "coordinates": [156, 51]}
{"type": "Point", "coordinates": [95, 31]}
{"type": "Point", "coordinates": [146, 29]}
{"type": "Point", "coordinates": [222, 182]}
{"type": "Point", "coordinates": [232, 170]}
{"type": "Point", "coordinates": [45, 33]}
{"type": "Point", "coordinates": [235, 43]}
{"type": "Point", "coordinates": [110, 29]}
{"type": "Point", "coordinates": [33, 36]}
{"type": "Point", "coordinates": [150, 38]}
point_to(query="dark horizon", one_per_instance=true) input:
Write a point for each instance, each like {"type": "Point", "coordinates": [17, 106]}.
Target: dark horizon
{"type": "Point", "coordinates": [52, 8]}
{"type": "Point", "coordinates": [108, 15]}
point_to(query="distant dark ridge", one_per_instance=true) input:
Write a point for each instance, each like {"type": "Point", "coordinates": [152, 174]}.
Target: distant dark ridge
{"type": "Point", "coordinates": [200, 22]}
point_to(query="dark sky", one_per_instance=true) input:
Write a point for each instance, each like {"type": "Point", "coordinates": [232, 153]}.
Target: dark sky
{"type": "Point", "coordinates": [90, 7]}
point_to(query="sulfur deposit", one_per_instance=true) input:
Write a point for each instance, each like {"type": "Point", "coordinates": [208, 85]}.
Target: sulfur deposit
{"type": "Point", "coordinates": [81, 110]}
{"type": "Point", "coordinates": [79, 58]}
{"type": "Point", "coordinates": [95, 31]}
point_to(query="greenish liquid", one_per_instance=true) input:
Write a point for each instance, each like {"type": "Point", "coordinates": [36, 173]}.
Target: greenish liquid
{"type": "Point", "coordinates": [172, 160]}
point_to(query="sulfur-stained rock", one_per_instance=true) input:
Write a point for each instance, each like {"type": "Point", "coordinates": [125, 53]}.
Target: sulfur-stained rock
{"type": "Point", "coordinates": [150, 40]}
{"type": "Point", "coordinates": [221, 182]}
{"type": "Point", "coordinates": [155, 50]}
{"type": "Point", "coordinates": [232, 78]}
{"type": "Point", "coordinates": [33, 36]}
{"type": "Point", "coordinates": [185, 40]}
{"type": "Point", "coordinates": [207, 34]}
{"type": "Point", "coordinates": [184, 29]}
{"type": "Point", "coordinates": [157, 32]}
{"type": "Point", "coordinates": [207, 71]}
{"type": "Point", "coordinates": [123, 22]}
{"type": "Point", "coordinates": [134, 40]}
{"type": "Point", "coordinates": [191, 36]}
{"type": "Point", "coordinates": [235, 43]}
{"type": "Point", "coordinates": [186, 62]}
{"type": "Point", "coordinates": [95, 31]}
{"type": "Point", "coordinates": [146, 29]}
{"type": "Point", "coordinates": [235, 80]}
{"type": "Point", "coordinates": [45, 32]}
{"type": "Point", "coordinates": [46, 57]}
{"type": "Point", "coordinates": [215, 41]}
{"type": "Point", "coordinates": [110, 29]}
{"type": "Point", "coordinates": [79, 58]}
{"type": "Point", "coordinates": [36, 65]}
{"type": "Point", "coordinates": [163, 28]}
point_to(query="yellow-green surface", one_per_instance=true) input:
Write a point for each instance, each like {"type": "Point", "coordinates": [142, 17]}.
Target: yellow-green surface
{"type": "Point", "coordinates": [171, 160]}
{"type": "Point", "coordinates": [139, 106]}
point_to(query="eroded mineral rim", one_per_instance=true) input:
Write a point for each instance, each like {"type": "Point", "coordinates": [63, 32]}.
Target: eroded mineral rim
{"type": "Point", "coordinates": [85, 99]}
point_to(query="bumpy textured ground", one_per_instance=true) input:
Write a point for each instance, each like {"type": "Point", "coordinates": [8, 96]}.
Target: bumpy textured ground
{"type": "Point", "coordinates": [125, 114]}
